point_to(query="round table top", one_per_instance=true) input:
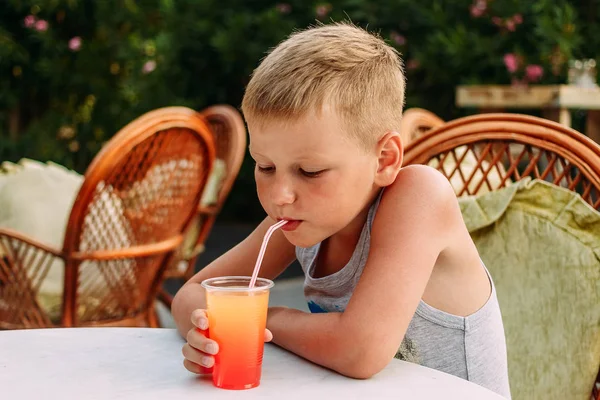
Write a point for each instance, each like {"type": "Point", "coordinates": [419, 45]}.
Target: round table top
{"type": "Point", "coordinates": [140, 363]}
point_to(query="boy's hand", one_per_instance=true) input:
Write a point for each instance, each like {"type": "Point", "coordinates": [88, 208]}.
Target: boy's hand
{"type": "Point", "coordinates": [199, 350]}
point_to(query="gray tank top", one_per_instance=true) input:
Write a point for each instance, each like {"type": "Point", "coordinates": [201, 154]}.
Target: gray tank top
{"type": "Point", "coordinates": [472, 348]}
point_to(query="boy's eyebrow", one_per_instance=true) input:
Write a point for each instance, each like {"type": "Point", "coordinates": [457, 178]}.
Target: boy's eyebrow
{"type": "Point", "coordinates": [311, 157]}
{"type": "Point", "coordinates": [252, 153]}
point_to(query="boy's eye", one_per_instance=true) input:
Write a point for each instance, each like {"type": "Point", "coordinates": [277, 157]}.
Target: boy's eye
{"type": "Point", "coordinates": [311, 174]}
{"type": "Point", "coordinates": [265, 170]}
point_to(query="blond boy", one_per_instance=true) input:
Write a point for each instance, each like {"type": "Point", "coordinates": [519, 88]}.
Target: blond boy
{"type": "Point", "coordinates": [390, 267]}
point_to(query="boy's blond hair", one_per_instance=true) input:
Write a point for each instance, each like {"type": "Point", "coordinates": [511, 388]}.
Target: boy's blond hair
{"type": "Point", "coordinates": [340, 65]}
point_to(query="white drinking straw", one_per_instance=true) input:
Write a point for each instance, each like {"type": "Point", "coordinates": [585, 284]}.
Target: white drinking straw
{"type": "Point", "coordinates": [263, 247]}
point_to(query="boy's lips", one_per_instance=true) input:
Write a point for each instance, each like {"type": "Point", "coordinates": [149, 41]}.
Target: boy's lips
{"type": "Point", "coordinates": [291, 225]}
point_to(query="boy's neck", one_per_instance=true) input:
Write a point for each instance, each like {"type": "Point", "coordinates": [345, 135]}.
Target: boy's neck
{"type": "Point", "coordinates": [335, 252]}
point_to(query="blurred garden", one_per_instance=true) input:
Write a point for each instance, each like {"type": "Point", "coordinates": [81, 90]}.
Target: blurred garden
{"type": "Point", "coordinates": [75, 71]}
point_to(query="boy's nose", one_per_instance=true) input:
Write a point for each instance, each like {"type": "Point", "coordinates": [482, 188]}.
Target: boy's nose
{"type": "Point", "coordinates": [282, 193]}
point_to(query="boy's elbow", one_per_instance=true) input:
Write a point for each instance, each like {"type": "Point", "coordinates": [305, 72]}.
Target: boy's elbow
{"type": "Point", "coordinates": [363, 368]}
{"type": "Point", "coordinates": [361, 353]}
{"type": "Point", "coordinates": [364, 361]}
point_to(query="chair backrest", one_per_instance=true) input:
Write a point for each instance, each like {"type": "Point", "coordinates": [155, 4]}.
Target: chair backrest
{"type": "Point", "coordinates": [544, 281]}
{"type": "Point", "coordinates": [229, 134]}
{"type": "Point", "coordinates": [511, 147]}
{"type": "Point", "coordinates": [138, 196]}
{"type": "Point", "coordinates": [416, 122]}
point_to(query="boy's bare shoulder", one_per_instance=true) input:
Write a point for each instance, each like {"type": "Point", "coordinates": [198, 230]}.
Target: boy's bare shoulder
{"type": "Point", "coordinates": [422, 186]}
{"type": "Point", "coordinates": [420, 199]}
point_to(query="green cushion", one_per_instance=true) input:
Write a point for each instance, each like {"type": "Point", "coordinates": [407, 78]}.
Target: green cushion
{"type": "Point", "coordinates": [541, 244]}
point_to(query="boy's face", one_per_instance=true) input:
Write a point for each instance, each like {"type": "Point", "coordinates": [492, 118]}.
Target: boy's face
{"type": "Point", "coordinates": [311, 172]}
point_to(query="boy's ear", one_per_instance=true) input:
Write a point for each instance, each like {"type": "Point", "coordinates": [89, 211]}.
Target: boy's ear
{"type": "Point", "coordinates": [390, 153]}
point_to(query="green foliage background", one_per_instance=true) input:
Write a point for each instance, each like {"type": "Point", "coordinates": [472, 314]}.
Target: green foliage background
{"type": "Point", "coordinates": [61, 101]}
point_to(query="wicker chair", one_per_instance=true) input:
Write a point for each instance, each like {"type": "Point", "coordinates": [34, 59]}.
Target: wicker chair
{"type": "Point", "coordinates": [513, 147]}
{"type": "Point", "coordinates": [522, 145]}
{"type": "Point", "coordinates": [138, 196]}
{"type": "Point", "coordinates": [229, 134]}
{"type": "Point", "coordinates": [416, 122]}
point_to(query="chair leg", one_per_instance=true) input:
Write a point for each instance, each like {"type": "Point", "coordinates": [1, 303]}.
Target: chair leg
{"type": "Point", "coordinates": [165, 297]}
{"type": "Point", "coordinates": [191, 268]}
{"type": "Point", "coordinates": [153, 320]}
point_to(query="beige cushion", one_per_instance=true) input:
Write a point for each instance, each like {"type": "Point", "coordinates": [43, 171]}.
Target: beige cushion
{"type": "Point", "coordinates": [36, 199]}
{"type": "Point", "coordinates": [541, 244]}
{"type": "Point", "coordinates": [468, 166]}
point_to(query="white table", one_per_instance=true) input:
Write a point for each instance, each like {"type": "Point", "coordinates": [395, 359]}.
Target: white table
{"type": "Point", "coordinates": [132, 363]}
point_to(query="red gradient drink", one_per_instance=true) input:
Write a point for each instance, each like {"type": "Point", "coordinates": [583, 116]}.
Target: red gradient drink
{"type": "Point", "coordinates": [237, 317]}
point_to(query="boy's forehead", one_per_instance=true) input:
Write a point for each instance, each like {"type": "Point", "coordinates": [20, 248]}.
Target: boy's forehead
{"type": "Point", "coordinates": [323, 114]}
{"type": "Point", "coordinates": [316, 124]}
{"type": "Point", "coordinates": [313, 137]}
{"type": "Point", "coordinates": [308, 145]}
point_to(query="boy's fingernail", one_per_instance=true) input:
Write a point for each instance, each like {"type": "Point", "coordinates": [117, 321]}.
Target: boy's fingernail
{"type": "Point", "coordinates": [206, 361]}
{"type": "Point", "coordinates": [211, 348]}
{"type": "Point", "coordinates": [203, 323]}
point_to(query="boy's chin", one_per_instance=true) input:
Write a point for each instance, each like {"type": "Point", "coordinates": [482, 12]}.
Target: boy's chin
{"type": "Point", "coordinates": [301, 240]}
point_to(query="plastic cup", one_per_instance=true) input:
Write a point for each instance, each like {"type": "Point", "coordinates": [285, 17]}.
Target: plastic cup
{"type": "Point", "coordinates": [237, 317]}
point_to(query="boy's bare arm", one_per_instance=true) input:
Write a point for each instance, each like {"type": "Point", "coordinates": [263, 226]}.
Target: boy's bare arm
{"type": "Point", "coordinates": [238, 261]}
{"type": "Point", "coordinates": [411, 229]}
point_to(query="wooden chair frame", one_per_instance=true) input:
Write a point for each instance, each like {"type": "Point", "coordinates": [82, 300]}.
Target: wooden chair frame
{"type": "Point", "coordinates": [416, 122]}
{"type": "Point", "coordinates": [229, 133]}
{"type": "Point", "coordinates": [567, 151]}
{"type": "Point", "coordinates": [187, 131]}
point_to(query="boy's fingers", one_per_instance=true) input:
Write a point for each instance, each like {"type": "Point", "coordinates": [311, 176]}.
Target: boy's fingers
{"type": "Point", "coordinates": [268, 335]}
{"type": "Point", "coordinates": [190, 366]}
{"type": "Point", "coordinates": [200, 319]}
{"type": "Point", "coordinates": [197, 357]}
{"type": "Point", "coordinates": [200, 342]}
{"type": "Point", "coordinates": [195, 368]}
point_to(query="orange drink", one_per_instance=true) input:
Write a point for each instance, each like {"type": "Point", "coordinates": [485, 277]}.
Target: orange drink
{"type": "Point", "coordinates": [237, 317]}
